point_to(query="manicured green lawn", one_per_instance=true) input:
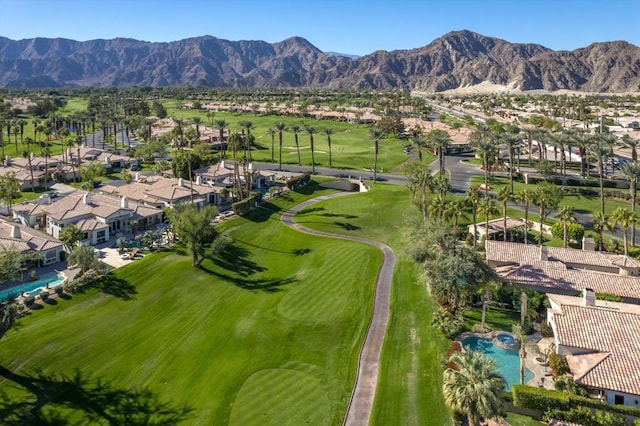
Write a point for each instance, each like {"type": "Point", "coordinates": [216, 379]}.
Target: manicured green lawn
{"type": "Point", "coordinates": [496, 318]}
{"type": "Point", "coordinates": [410, 381]}
{"type": "Point", "coordinates": [266, 333]}
{"type": "Point", "coordinates": [520, 420]}
{"type": "Point", "coordinates": [352, 149]}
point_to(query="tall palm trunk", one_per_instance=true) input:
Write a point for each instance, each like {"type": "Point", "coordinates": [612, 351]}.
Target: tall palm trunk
{"type": "Point", "coordinates": [298, 149]}
{"type": "Point", "coordinates": [375, 159]}
{"type": "Point", "coordinates": [526, 222]}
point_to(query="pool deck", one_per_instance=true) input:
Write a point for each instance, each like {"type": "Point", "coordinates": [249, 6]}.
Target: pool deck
{"type": "Point", "coordinates": [535, 347]}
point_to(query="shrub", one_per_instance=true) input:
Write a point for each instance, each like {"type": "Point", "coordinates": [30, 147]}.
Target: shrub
{"type": "Point", "coordinates": [558, 364]}
{"type": "Point", "coordinates": [243, 207]}
{"type": "Point", "coordinates": [586, 417]}
{"type": "Point", "coordinates": [610, 184]}
{"type": "Point", "coordinates": [449, 324]}
{"type": "Point", "coordinates": [591, 183]}
{"type": "Point", "coordinates": [546, 330]}
{"type": "Point", "coordinates": [29, 300]}
{"type": "Point", "coordinates": [609, 297]}
{"type": "Point", "coordinates": [543, 400]}
{"type": "Point", "coordinates": [573, 182]}
{"type": "Point", "coordinates": [44, 296]}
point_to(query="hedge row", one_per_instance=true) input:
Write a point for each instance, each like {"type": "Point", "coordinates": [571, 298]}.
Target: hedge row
{"type": "Point", "coordinates": [543, 400]}
{"type": "Point", "coordinates": [243, 207]}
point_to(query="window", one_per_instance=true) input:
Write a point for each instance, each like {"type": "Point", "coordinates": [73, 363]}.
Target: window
{"type": "Point", "coordinates": [618, 399]}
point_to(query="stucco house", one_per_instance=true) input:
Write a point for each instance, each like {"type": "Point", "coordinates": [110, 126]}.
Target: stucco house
{"type": "Point", "coordinates": [601, 341]}
{"type": "Point", "coordinates": [25, 239]}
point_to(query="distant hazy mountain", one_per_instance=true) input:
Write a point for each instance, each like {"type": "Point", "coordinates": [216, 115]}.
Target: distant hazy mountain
{"type": "Point", "coordinates": [457, 59]}
{"type": "Point", "coordinates": [345, 55]}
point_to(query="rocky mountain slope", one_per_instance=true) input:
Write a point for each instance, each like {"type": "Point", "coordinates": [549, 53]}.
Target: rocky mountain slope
{"type": "Point", "coordinates": [457, 59]}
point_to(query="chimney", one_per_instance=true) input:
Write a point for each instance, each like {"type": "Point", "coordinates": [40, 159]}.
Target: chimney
{"type": "Point", "coordinates": [45, 199]}
{"type": "Point", "coordinates": [589, 297]}
{"type": "Point", "coordinates": [544, 253]}
{"type": "Point", "coordinates": [124, 202]}
{"type": "Point", "coordinates": [86, 199]}
{"type": "Point", "coordinates": [137, 176]}
{"type": "Point", "coordinates": [250, 166]}
{"type": "Point", "coordinates": [222, 164]}
{"type": "Point", "coordinates": [33, 156]}
{"type": "Point", "coordinates": [15, 231]}
{"type": "Point", "coordinates": [180, 182]}
{"type": "Point", "coordinates": [7, 161]}
{"type": "Point", "coordinates": [588, 244]}
{"type": "Point", "coordinates": [198, 180]}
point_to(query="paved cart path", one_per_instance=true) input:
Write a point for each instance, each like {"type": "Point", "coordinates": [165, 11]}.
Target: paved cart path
{"type": "Point", "coordinates": [364, 389]}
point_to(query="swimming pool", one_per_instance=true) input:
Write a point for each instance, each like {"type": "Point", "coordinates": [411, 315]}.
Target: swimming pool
{"type": "Point", "coordinates": [508, 360]}
{"type": "Point", "coordinates": [52, 279]}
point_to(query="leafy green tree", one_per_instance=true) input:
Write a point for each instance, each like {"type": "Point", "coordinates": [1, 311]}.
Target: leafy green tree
{"type": "Point", "coordinates": [89, 172]}
{"type": "Point", "coordinates": [9, 188]}
{"type": "Point", "coordinates": [473, 387]}
{"type": "Point", "coordinates": [71, 234]}
{"type": "Point", "coordinates": [10, 263]}
{"type": "Point", "coordinates": [184, 164]}
{"type": "Point", "coordinates": [193, 228]}
{"type": "Point", "coordinates": [83, 257]}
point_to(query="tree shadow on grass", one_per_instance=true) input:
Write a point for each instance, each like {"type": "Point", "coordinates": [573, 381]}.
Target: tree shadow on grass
{"type": "Point", "coordinates": [237, 259]}
{"type": "Point", "coordinates": [296, 252]}
{"type": "Point", "coordinates": [309, 210]}
{"type": "Point", "coordinates": [263, 212]}
{"type": "Point", "coordinates": [268, 285]}
{"type": "Point", "coordinates": [347, 226]}
{"type": "Point", "coordinates": [94, 401]}
{"type": "Point", "coordinates": [346, 216]}
{"type": "Point", "coordinates": [118, 287]}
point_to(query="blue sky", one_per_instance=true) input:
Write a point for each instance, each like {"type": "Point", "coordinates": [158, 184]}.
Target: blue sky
{"type": "Point", "coordinates": [347, 26]}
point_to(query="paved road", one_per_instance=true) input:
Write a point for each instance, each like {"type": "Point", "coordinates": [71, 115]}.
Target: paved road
{"type": "Point", "coordinates": [364, 390]}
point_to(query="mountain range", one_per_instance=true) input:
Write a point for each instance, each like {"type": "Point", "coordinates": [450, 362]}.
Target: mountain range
{"type": "Point", "coordinates": [456, 60]}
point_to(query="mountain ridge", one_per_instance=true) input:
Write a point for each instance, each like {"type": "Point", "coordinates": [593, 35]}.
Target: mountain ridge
{"type": "Point", "coordinates": [457, 59]}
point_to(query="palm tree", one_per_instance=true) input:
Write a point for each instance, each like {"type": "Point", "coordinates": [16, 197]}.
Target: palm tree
{"type": "Point", "coordinates": [521, 337]}
{"type": "Point", "coordinates": [600, 224]}
{"type": "Point", "coordinates": [272, 131]}
{"type": "Point", "coordinates": [295, 129]}
{"type": "Point", "coordinates": [280, 127]}
{"type": "Point", "coordinates": [221, 125]}
{"type": "Point", "coordinates": [63, 133]}
{"type": "Point", "coordinates": [624, 217]}
{"type": "Point", "coordinates": [27, 155]}
{"type": "Point", "coordinates": [504, 196]}
{"type": "Point", "coordinates": [472, 197]}
{"type": "Point", "coordinates": [547, 197]}
{"type": "Point", "coordinates": [247, 126]}
{"type": "Point", "coordinates": [328, 131]}
{"type": "Point", "coordinates": [512, 143]}
{"type": "Point", "coordinates": [631, 143]}
{"type": "Point", "coordinates": [473, 386]}
{"type": "Point", "coordinates": [566, 215]}
{"type": "Point", "coordinates": [439, 141]}
{"type": "Point", "coordinates": [600, 152]}
{"type": "Point", "coordinates": [46, 152]}
{"type": "Point", "coordinates": [631, 171]}
{"type": "Point", "coordinates": [487, 152]}
{"type": "Point", "coordinates": [234, 140]}
{"type": "Point", "coordinates": [311, 131]}
{"type": "Point", "coordinates": [420, 143]}
{"type": "Point", "coordinates": [525, 197]}
{"type": "Point", "coordinates": [375, 134]}
{"type": "Point", "coordinates": [455, 210]}
{"type": "Point", "coordinates": [487, 206]}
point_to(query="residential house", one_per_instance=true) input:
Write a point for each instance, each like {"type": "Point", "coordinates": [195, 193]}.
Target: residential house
{"type": "Point", "coordinates": [565, 271]}
{"type": "Point", "coordinates": [221, 174]}
{"type": "Point", "coordinates": [161, 192]}
{"type": "Point", "coordinates": [99, 216]}
{"type": "Point", "coordinates": [601, 342]}
{"type": "Point", "coordinates": [25, 239]}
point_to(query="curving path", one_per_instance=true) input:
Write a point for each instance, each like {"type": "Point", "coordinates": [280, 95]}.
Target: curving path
{"type": "Point", "coordinates": [364, 389]}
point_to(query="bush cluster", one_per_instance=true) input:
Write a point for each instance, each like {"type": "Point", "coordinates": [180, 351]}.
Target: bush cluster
{"type": "Point", "coordinates": [586, 417]}
{"type": "Point", "coordinates": [243, 207]}
{"type": "Point", "coordinates": [89, 277]}
{"type": "Point", "coordinates": [542, 399]}
{"type": "Point", "coordinates": [546, 330]}
{"type": "Point", "coordinates": [558, 364]}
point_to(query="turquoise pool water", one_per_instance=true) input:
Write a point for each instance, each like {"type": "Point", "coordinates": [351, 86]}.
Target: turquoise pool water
{"type": "Point", "coordinates": [508, 360]}
{"type": "Point", "coordinates": [52, 279]}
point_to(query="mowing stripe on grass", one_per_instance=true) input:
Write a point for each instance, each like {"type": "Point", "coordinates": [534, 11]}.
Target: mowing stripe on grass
{"type": "Point", "coordinates": [364, 389]}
